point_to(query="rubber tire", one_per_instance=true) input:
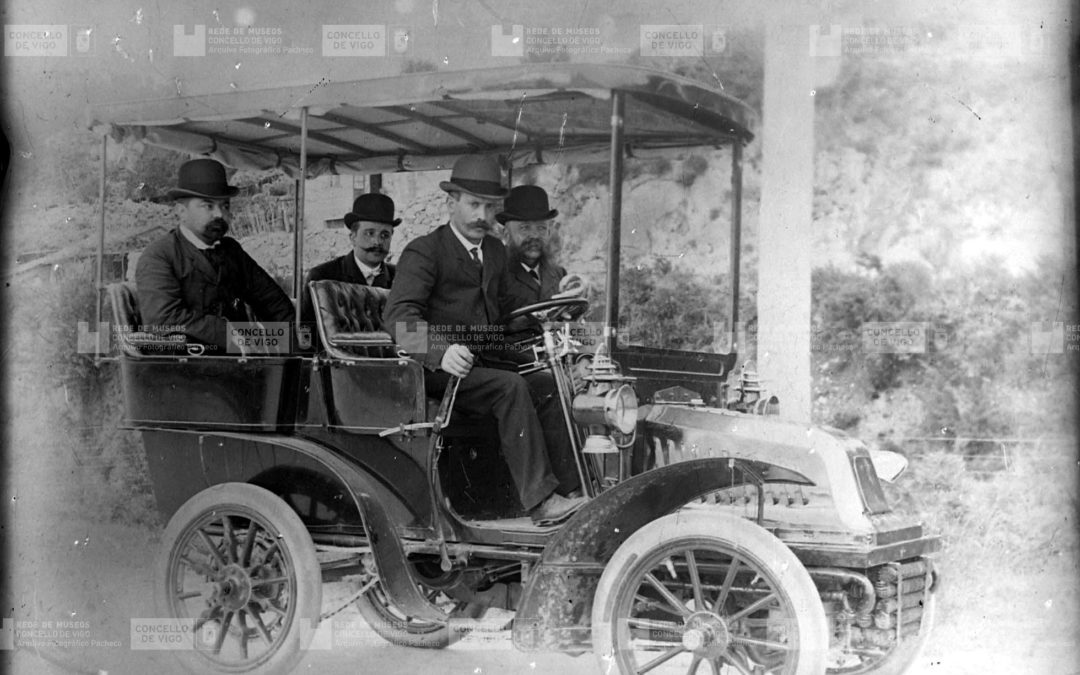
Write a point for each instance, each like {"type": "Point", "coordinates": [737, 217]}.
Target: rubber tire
{"type": "Point", "coordinates": [422, 634]}
{"type": "Point", "coordinates": [752, 543]}
{"type": "Point", "coordinates": [295, 541]}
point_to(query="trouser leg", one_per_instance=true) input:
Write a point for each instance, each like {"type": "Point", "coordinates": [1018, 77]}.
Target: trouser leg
{"type": "Point", "coordinates": [506, 396]}
{"type": "Point", "coordinates": [548, 409]}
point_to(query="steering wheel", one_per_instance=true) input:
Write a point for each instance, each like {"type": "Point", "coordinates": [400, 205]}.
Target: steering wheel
{"type": "Point", "coordinates": [572, 308]}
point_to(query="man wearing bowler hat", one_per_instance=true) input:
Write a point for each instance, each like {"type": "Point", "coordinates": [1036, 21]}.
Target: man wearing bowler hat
{"type": "Point", "coordinates": [371, 226]}
{"type": "Point", "coordinates": [195, 280]}
{"type": "Point", "coordinates": [534, 277]}
{"type": "Point", "coordinates": [528, 221]}
{"type": "Point", "coordinates": [455, 280]}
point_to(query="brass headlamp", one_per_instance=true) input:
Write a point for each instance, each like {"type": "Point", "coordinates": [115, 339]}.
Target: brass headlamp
{"type": "Point", "coordinates": [616, 408]}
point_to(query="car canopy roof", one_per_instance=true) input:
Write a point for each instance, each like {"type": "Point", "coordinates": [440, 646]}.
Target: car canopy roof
{"type": "Point", "coordinates": [536, 113]}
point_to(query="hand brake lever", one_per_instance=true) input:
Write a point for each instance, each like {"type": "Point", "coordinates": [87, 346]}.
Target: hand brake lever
{"type": "Point", "coordinates": [442, 418]}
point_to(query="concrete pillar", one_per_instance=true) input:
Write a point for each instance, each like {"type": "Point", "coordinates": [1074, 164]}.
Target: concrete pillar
{"type": "Point", "coordinates": [784, 236]}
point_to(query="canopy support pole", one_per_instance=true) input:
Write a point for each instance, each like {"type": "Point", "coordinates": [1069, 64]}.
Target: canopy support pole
{"type": "Point", "coordinates": [735, 240]}
{"type": "Point", "coordinates": [611, 312]}
{"type": "Point", "coordinates": [298, 230]}
{"type": "Point", "coordinates": [99, 287]}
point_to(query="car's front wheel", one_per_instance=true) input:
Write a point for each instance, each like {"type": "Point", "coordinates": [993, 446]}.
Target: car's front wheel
{"type": "Point", "coordinates": [707, 593]}
{"type": "Point", "coordinates": [238, 571]}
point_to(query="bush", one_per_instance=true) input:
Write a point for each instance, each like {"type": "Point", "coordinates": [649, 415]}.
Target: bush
{"type": "Point", "coordinates": [844, 301]}
{"type": "Point", "coordinates": [665, 306]}
{"type": "Point", "coordinates": [113, 482]}
{"type": "Point", "coordinates": [146, 172]}
{"type": "Point", "coordinates": [845, 419]}
{"type": "Point", "coordinates": [977, 359]}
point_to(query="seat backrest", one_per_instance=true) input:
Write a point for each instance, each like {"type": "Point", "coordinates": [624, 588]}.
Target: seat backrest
{"type": "Point", "coordinates": [125, 305]}
{"type": "Point", "coordinates": [346, 307]}
{"type": "Point", "coordinates": [128, 329]}
{"type": "Point", "coordinates": [126, 317]}
{"type": "Point", "coordinates": [349, 318]}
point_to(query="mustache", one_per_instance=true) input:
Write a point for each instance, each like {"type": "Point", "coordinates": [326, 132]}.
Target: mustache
{"type": "Point", "coordinates": [481, 223]}
{"type": "Point", "coordinates": [218, 222]}
{"type": "Point", "coordinates": [376, 249]}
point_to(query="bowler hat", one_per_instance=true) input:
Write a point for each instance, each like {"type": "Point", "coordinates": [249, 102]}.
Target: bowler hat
{"type": "Point", "coordinates": [373, 208]}
{"type": "Point", "coordinates": [526, 202]}
{"type": "Point", "coordinates": [478, 175]}
{"type": "Point", "coordinates": [202, 178]}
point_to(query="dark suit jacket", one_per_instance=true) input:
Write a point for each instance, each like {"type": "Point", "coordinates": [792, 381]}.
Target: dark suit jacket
{"type": "Point", "coordinates": [527, 291]}
{"type": "Point", "coordinates": [178, 286]}
{"type": "Point", "coordinates": [343, 268]}
{"type": "Point", "coordinates": [438, 283]}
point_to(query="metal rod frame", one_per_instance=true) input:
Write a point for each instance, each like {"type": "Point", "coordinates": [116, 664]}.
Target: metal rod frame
{"type": "Point", "coordinates": [435, 122]}
{"type": "Point", "coordinates": [376, 130]}
{"type": "Point", "coordinates": [298, 229]}
{"type": "Point", "coordinates": [736, 238]}
{"type": "Point", "coordinates": [291, 129]}
{"type": "Point", "coordinates": [611, 312]}
{"type": "Point", "coordinates": [566, 395]}
{"type": "Point", "coordinates": [100, 285]}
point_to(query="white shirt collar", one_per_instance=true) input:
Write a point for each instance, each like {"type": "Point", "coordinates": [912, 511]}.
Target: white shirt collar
{"type": "Point", "coordinates": [195, 241]}
{"type": "Point", "coordinates": [368, 271]}
{"type": "Point", "coordinates": [535, 267]}
{"type": "Point", "coordinates": [468, 244]}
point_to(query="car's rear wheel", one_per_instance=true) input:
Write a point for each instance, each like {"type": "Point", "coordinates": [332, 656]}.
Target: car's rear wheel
{"type": "Point", "coordinates": [238, 569]}
{"type": "Point", "coordinates": [707, 593]}
{"type": "Point", "coordinates": [396, 627]}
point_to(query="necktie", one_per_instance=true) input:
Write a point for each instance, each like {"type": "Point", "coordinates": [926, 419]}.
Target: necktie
{"type": "Point", "coordinates": [378, 280]}
{"type": "Point", "coordinates": [216, 256]}
{"type": "Point", "coordinates": [535, 275]}
{"type": "Point", "coordinates": [475, 251]}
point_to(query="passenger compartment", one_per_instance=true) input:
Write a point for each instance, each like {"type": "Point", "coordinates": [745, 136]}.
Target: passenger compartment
{"type": "Point", "coordinates": [166, 387]}
{"type": "Point", "coordinates": [211, 392]}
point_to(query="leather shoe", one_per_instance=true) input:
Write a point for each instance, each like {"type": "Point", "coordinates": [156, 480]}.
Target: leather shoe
{"type": "Point", "coordinates": [555, 509]}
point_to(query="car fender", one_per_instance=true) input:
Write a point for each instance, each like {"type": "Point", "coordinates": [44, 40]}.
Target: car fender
{"type": "Point", "coordinates": [376, 503]}
{"type": "Point", "coordinates": [555, 607]}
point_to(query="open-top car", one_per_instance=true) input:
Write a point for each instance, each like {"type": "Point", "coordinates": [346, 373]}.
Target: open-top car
{"type": "Point", "coordinates": [717, 538]}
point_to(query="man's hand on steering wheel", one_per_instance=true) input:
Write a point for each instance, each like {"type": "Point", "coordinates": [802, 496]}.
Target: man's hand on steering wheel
{"type": "Point", "coordinates": [573, 286]}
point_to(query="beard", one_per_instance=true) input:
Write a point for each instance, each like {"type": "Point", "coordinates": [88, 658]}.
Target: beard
{"type": "Point", "coordinates": [216, 229]}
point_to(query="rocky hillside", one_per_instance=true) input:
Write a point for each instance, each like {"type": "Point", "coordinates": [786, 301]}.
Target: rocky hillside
{"type": "Point", "coordinates": [677, 210]}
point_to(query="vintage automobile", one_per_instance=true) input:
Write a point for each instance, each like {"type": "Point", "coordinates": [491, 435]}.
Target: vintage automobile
{"type": "Point", "coordinates": [717, 538]}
